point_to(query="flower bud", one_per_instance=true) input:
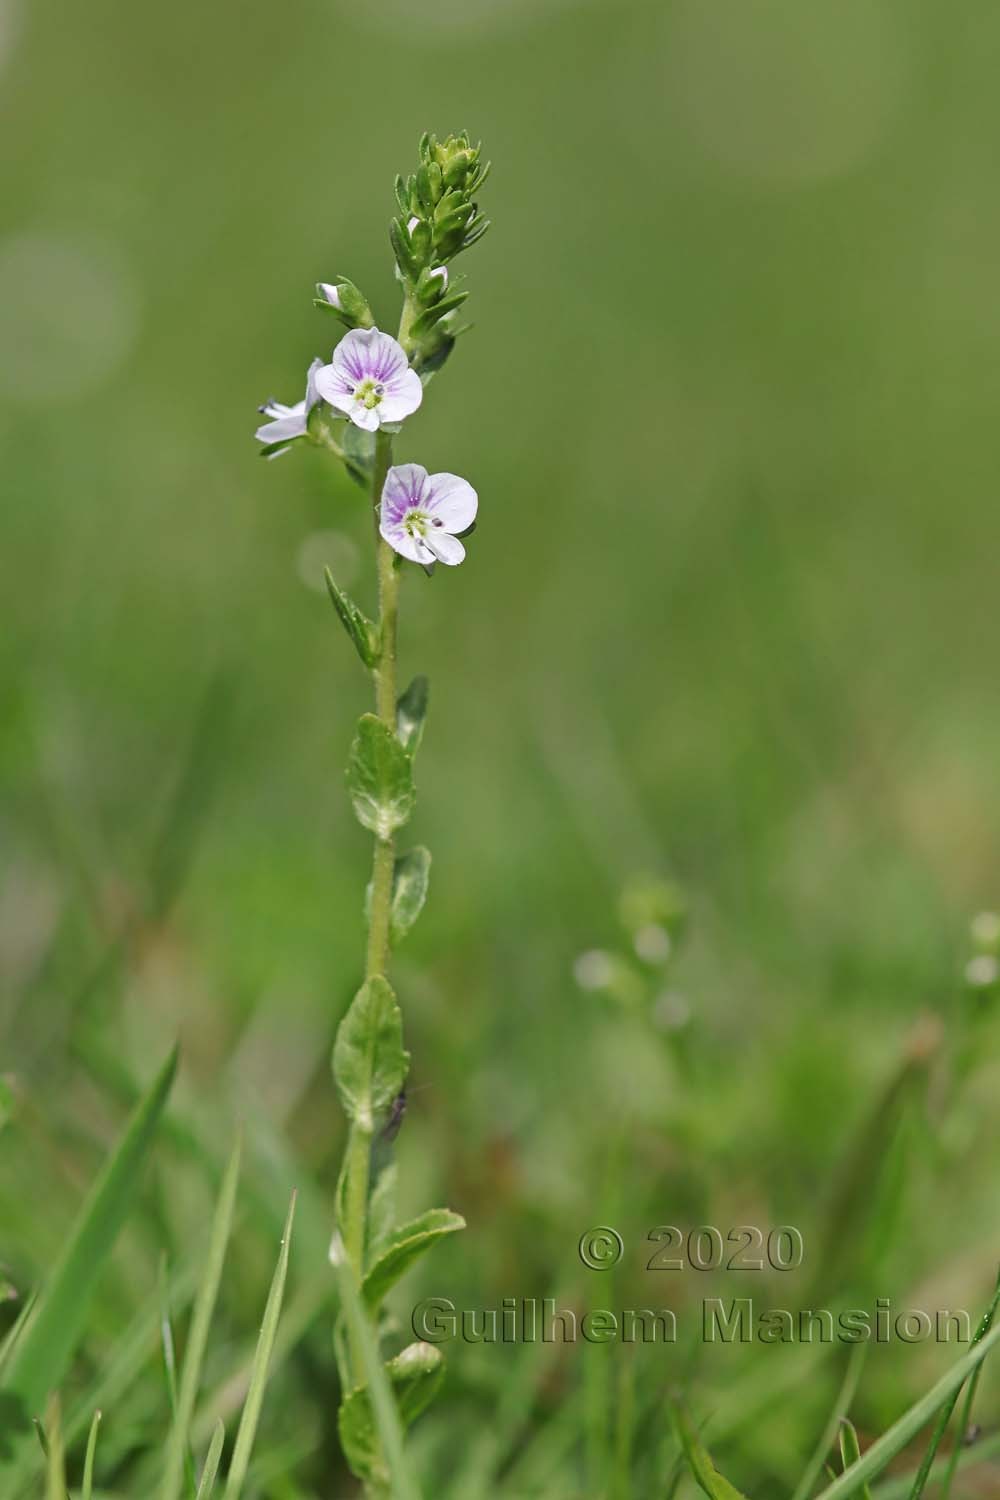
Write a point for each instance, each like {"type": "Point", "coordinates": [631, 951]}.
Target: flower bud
{"type": "Point", "coordinates": [458, 160]}
{"type": "Point", "coordinates": [344, 298]}
{"type": "Point", "coordinates": [432, 285]}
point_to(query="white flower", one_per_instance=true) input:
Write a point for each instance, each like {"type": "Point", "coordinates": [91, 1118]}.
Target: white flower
{"type": "Point", "coordinates": [420, 514]}
{"type": "Point", "coordinates": [329, 293]}
{"type": "Point", "coordinates": [369, 379]}
{"type": "Point", "coordinates": [289, 422]}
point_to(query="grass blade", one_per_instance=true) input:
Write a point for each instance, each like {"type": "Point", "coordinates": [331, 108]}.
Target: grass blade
{"type": "Point", "coordinates": [944, 1416]}
{"type": "Point", "coordinates": [247, 1430]}
{"type": "Point", "coordinates": [714, 1484]}
{"type": "Point", "coordinates": [87, 1488]}
{"type": "Point", "coordinates": [178, 1446]}
{"type": "Point", "coordinates": [841, 1407]}
{"type": "Point", "coordinates": [55, 1485]}
{"type": "Point", "coordinates": [44, 1349]}
{"type": "Point", "coordinates": [895, 1440]}
{"type": "Point", "coordinates": [897, 1487]}
{"type": "Point", "coordinates": [850, 1452]}
{"type": "Point", "coordinates": [211, 1468]}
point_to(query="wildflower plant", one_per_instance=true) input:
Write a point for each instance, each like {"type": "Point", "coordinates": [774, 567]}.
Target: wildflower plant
{"type": "Point", "coordinates": [355, 406]}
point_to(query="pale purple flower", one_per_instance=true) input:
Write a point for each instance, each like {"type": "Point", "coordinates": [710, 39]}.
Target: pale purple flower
{"type": "Point", "coordinates": [369, 379]}
{"type": "Point", "coordinates": [289, 422]}
{"type": "Point", "coordinates": [421, 513]}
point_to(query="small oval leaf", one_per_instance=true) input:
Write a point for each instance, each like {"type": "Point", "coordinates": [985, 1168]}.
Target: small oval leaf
{"type": "Point", "coordinates": [405, 1245]}
{"type": "Point", "coordinates": [415, 1376]}
{"type": "Point", "coordinates": [409, 890]}
{"type": "Point", "coordinates": [411, 711]}
{"type": "Point", "coordinates": [369, 1061]}
{"type": "Point", "coordinates": [379, 778]}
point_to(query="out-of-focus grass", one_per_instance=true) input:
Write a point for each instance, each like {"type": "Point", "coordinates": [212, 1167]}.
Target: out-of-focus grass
{"type": "Point", "coordinates": [729, 615]}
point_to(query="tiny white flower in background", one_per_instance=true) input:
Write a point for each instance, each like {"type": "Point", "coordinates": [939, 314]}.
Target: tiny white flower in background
{"type": "Point", "coordinates": [369, 379]}
{"type": "Point", "coordinates": [982, 971]}
{"type": "Point", "coordinates": [289, 422]}
{"type": "Point", "coordinates": [442, 272]}
{"type": "Point", "coordinates": [420, 514]}
{"type": "Point", "coordinates": [329, 293]}
{"type": "Point", "coordinates": [411, 224]}
{"type": "Point", "coordinates": [652, 943]}
{"type": "Point", "coordinates": [594, 969]}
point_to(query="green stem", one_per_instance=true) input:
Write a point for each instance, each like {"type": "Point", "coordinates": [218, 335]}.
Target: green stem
{"type": "Point", "coordinates": [383, 864]}
{"type": "Point", "coordinates": [384, 858]}
{"type": "Point", "coordinates": [358, 1156]}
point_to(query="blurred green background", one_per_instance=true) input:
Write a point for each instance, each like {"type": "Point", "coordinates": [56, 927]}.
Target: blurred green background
{"type": "Point", "coordinates": [729, 620]}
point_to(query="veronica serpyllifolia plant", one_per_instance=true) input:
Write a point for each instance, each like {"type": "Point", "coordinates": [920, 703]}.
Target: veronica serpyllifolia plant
{"type": "Point", "coordinates": [354, 407]}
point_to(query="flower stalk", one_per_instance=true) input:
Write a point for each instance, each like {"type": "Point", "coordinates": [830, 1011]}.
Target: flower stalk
{"type": "Point", "coordinates": [353, 407]}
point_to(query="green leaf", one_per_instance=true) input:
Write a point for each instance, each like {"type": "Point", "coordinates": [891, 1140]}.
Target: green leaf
{"type": "Point", "coordinates": [359, 454]}
{"type": "Point", "coordinates": [432, 315]}
{"type": "Point", "coordinates": [361, 630]}
{"type": "Point", "coordinates": [212, 1458]}
{"type": "Point", "coordinates": [410, 879]}
{"type": "Point", "coordinates": [850, 1451]}
{"type": "Point", "coordinates": [411, 711]}
{"type": "Point", "coordinates": [87, 1488]}
{"type": "Point", "coordinates": [176, 1457]}
{"type": "Point", "coordinates": [247, 1429]}
{"type": "Point", "coordinates": [405, 1245]}
{"type": "Point", "coordinates": [45, 1346]}
{"type": "Point", "coordinates": [379, 778]}
{"type": "Point", "coordinates": [415, 1376]}
{"type": "Point", "coordinates": [402, 1485]}
{"type": "Point", "coordinates": [707, 1475]}
{"type": "Point", "coordinates": [369, 1061]}
{"type": "Point", "coordinates": [885, 1448]}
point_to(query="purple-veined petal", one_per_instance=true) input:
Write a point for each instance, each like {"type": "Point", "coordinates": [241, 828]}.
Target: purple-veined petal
{"type": "Point", "coordinates": [368, 354]}
{"type": "Point", "coordinates": [407, 546]}
{"type": "Point", "coordinates": [403, 490]}
{"type": "Point", "coordinates": [452, 501]}
{"type": "Point", "coordinates": [403, 394]}
{"type": "Point", "coordinates": [332, 386]}
{"type": "Point", "coordinates": [445, 547]}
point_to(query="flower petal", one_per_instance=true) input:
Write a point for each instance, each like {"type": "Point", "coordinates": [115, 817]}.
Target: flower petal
{"type": "Point", "coordinates": [408, 546]}
{"type": "Point", "coordinates": [403, 490]}
{"type": "Point", "coordinates": [365, 417]}
{"type": "Point", "coordinates": [368, 354]}
{"type": "Point", "coordinates": [403, 394]}
{"type": "Point", "coordinates": [312, 394]}
{"type": "Point", "coordinates": [445, 547]}
{"type": "Point", "coordinates": [452, 501]}
{"type": "Point", "coordinates": [332, 386]}
{"type": "Point", "coordinates": [283, 430]}
{"type": "Point", "coordinates": [329, 293]}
